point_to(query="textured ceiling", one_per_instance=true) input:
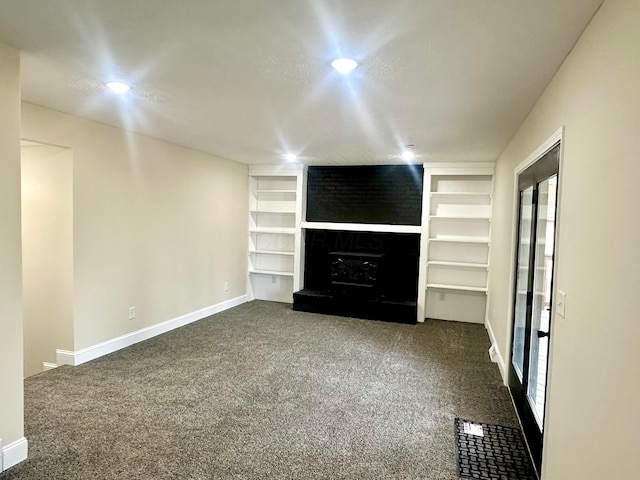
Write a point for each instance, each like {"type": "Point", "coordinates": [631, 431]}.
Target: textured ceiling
{"type": "Point", "coordinates": [250, 80]}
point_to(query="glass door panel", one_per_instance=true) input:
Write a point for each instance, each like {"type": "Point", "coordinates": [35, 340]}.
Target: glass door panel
{"type": "Point", "coordinates": [533, 284]}
{"type": "Point", "coordinates": [545, 235]}
{"type": "Point", "coordinates": [522, 280]}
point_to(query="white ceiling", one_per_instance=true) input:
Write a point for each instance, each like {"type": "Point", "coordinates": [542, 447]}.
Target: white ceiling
{"type": "Point", "coordinates": [250, 80]}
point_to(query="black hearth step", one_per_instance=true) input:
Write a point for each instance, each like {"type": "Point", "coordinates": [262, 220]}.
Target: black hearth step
{"type": "Point", "coordinates": [313, 294]}
{"type": "Point", "coordinates": [329, 303]}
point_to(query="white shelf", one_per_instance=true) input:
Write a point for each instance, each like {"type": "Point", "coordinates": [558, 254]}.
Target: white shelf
{"type": "Point", "coordinates": [272, 191]}
{"type": "Point", "coordinates": [254, 271]}
{"type": "Point", "coordinates": [460, 194]}
{"type": "Point", "coordinates": [453, 217]}
{"type": "Point", "coordinates": [460, 239]}
{"type": "Point", "coordinates": [273, 212]}
{"type": "Point", "coordinates": [482, 266]}
{"type": "Point", "coordinates": [457, 287]}
{"type": "Point", "coordinates": [362, 227]}
{"type": "Point", "coordinates": [272, 252]}
{"type": "Point", "coordinates": [273, 231]}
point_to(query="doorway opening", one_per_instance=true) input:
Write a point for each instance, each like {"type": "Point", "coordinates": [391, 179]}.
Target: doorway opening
{"type": "Point", "coordinates": [47, 253]}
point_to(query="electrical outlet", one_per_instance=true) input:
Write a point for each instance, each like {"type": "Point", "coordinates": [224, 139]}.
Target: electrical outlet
{"type": "Point", "coordinates": [226, 286]}
{"type": "Point", "coordinates": [132, 313]}
{"type": "Point", "coordinates": [273, 279]}
{"type": "Point", "coordinates": [443, 297]}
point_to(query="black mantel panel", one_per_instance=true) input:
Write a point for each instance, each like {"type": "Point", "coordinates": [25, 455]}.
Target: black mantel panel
{"type": "Point", "coordinates": [382, 194]}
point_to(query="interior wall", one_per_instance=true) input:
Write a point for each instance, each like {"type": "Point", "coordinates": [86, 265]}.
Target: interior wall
{"type": "Point", "coordinates": [592, 416]}
{"type": "Point", "coordinates": [157, 226]}
{"type": "Point", "coordinates": [47, 253]}
{"type": "Point", "coordinates": [11, 396]}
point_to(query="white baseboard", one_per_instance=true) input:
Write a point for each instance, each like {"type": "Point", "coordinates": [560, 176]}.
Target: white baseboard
{"type": "Point", "coordinates": [66, 357]}
{"type": "Point", "coordinates": [48, 366]}
{"type": "Point", "coordinates": [499, 359]}
{"type": "Point", "coordinates": [14, 453]}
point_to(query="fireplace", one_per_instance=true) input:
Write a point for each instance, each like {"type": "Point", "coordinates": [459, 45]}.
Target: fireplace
{"type": "Point", "coordinates": [355, 272]}
{"type": "Point", "coordinates": [351, 267]}
{"type": "Point", "coordinates": [360, 274]}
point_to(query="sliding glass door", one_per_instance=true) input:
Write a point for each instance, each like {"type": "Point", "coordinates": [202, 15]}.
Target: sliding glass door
{"type": "Point", "coordinates": [533, 295]}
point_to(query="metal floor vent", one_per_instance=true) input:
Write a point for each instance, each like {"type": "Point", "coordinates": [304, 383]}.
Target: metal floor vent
{"type": "Point", "coordinates": [491, 452]}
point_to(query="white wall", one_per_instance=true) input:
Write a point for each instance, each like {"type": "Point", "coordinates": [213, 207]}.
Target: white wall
{"type": "Point", "coordinates": [11, 396]}
{"type": "Point", "coordinates": [593, 415]}
{"type": "Point", "coordinates": [47, 253]}
{"type": "Point", "coordinates": [156, 226]}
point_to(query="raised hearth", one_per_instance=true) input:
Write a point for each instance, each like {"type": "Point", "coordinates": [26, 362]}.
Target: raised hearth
{"type": "Point", "coordinates": [329, 303]}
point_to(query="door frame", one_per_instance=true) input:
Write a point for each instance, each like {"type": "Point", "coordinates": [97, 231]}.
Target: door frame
{"type": "Point", "coordinates": [557, 136]}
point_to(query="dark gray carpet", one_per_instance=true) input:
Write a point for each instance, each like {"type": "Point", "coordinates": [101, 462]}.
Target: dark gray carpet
{"type": "Point", "coordinates": [263, 392]}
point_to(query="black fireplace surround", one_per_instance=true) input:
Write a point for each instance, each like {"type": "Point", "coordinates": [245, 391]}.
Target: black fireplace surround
{"type": "Point", "coordinates": [362, 274]}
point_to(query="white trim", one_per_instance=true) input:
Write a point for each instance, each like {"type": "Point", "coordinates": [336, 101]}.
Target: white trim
{"type": "Point", "coordinates": [456, 166]}
{"type": "Point", "coordinates": [278, 273]}
{"type": "Point", "coordinates": [276, 170]}
{"type": "Point", "coordinates": [362, 227]}
{"type": "Point", "coordinates": [14, 453]}
{"type": "Point", "coordinates": [557, 136]}
{"type": "Point", "coordinates": [298, 240]}
{"type": "Point", "coordinates": [494, 345]}
{"type": "Point", "coordinates": [48, 366]}
{"type": "Point", "coordinates": [65, 357]}
{"type": "Point", "coordinates": [499, 359]}
{"type": "Point", "coordinates": [554, 293]}
{"type": "Point", "coordinates": [425, 226]}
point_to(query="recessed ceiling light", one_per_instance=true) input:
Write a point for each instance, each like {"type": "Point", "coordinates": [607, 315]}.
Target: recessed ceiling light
{"type": "Point", "coordinates": [344, 65]}
{"type": "Point", "coordinates": [118, 87]}
{"type": "Point", "coordinates": [291, 157]}
{"type": "Point", "coordinates": [408, 154]}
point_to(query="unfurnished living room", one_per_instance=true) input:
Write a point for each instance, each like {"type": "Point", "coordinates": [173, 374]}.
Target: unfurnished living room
{"type": "Point", "coordinates": [319, 239]}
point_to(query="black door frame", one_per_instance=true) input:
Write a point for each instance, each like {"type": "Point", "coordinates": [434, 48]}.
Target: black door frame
{"type": "Point", "coordinates": [544, 166]}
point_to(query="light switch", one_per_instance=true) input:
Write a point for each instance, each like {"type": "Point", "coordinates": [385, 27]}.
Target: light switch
{"type": "Point", "coordinates": [561, 303]}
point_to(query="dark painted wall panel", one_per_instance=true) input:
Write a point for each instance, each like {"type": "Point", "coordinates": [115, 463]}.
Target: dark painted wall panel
{"type": "Point", "coordinates": [388, 194]}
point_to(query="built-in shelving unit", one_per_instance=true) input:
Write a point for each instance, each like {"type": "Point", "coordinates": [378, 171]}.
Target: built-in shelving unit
{"type": "Point", "coordinates": [455, 245]}
{"type": "Point", "coordinates": [275, 211]}
{"type": "Point", "coordinates": [454, 235]}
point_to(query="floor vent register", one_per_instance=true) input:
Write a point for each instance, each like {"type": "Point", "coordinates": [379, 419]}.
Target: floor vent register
{"type": "Point", "coordinates": [491, 452]}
